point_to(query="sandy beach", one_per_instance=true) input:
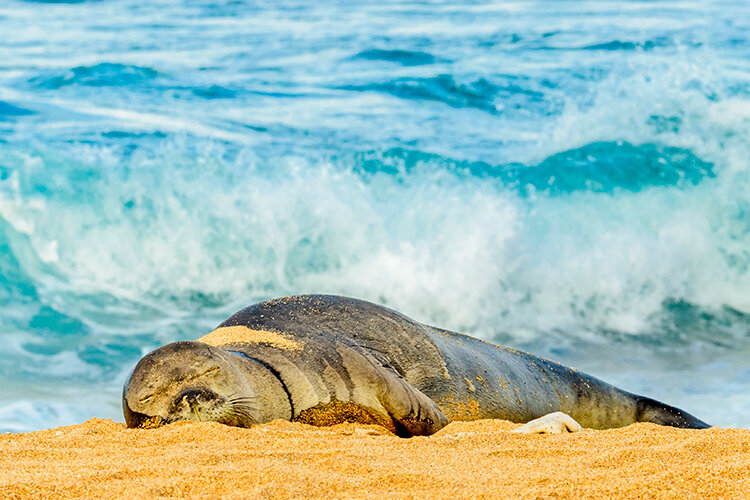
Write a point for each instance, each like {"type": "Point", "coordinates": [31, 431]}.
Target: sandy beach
{"type": "Point", "coordinates": [482, 459]}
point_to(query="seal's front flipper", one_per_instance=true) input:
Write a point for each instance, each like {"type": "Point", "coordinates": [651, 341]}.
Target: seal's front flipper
{"type": "Point", "coordinates": [383, 389]}
{"type": "Point", "coordinates": [553, 423]}
{"type": "Point", "coordinates": [414, 413]}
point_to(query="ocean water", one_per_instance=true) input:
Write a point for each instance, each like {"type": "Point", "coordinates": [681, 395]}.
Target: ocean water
{"type": "Point", "coordinates": [570, 178]}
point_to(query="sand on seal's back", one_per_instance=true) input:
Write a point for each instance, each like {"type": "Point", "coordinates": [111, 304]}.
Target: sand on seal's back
{"type": "Point", "coordinates": [243, 334]}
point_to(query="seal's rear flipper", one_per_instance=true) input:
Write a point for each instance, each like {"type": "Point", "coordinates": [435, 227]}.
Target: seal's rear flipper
{"type": "Point", "coordinates": [552, 423]}
{"type": "Point", "coordinates": [651, 410]}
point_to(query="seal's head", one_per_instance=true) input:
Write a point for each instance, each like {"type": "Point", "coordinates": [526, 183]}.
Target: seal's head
{"type": "Point", "coordinates": [196, 381]}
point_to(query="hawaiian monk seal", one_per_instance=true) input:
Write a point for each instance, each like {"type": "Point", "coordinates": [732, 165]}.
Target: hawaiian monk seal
{"type": "Point", "coordinates": [324, 359]}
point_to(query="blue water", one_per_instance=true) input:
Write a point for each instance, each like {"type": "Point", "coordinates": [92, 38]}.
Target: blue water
{"type": "Point", "coordinates": [571, 178]}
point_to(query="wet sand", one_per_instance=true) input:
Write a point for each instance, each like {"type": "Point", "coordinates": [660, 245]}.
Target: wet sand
{"type": "Point", "coordinates": [103, 459]}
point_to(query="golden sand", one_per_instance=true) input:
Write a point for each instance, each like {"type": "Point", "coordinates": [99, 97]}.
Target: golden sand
{"type": "Point", "coordinates": [240, 334]}
{"type": "Point", "coordinates": [102, 459]}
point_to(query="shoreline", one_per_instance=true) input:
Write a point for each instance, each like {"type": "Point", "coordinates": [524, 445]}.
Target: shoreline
{"type": "Point", "coordinates": [480, 459]}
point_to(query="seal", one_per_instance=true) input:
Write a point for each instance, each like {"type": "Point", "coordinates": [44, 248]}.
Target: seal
{"type": "Point", "coordinates": [323, 360]}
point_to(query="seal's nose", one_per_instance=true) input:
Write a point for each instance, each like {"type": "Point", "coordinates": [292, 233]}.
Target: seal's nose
{"type": "Point", "coordinates": [194, 396]}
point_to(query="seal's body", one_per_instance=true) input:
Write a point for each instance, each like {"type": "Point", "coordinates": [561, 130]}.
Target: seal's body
{"type": "Point", "coordinates": [326, 359]}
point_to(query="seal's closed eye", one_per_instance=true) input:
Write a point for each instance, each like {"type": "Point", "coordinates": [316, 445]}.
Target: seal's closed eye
{"type": "Point", "coordinates": [195, 376]}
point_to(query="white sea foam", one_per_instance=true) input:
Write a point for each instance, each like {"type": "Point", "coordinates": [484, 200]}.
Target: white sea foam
{"type": "Point", "coordinates": [456, 251]}
{"type": "Point", "coordinates": [460, 252]}
{"type": "Point", "coordinates": [27, 416]}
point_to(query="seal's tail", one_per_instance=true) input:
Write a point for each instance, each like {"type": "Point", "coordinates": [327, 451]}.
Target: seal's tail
{"type": "Point", "coordinates": [650, 410]}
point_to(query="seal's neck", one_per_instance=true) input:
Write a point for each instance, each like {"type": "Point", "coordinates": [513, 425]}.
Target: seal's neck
{"type": "Point", "coordinates": [273, 400]}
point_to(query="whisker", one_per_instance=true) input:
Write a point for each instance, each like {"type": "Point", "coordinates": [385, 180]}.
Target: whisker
{"type": "Point", "coordinates": [241, 398]}
{"type": "Point", "coordinates": [242, 407]}
{"type": "Point", "coordinates": [245, 402]}
{"type": "Point", "coordinates": [243, 410]}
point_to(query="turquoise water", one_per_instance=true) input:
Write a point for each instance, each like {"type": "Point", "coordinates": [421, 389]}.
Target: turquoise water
{"type": "Point", "coordinates": [571, 178]}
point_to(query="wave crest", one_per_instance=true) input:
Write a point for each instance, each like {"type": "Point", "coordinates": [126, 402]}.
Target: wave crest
{"type": "Point", "coordinates": [98, 75]}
